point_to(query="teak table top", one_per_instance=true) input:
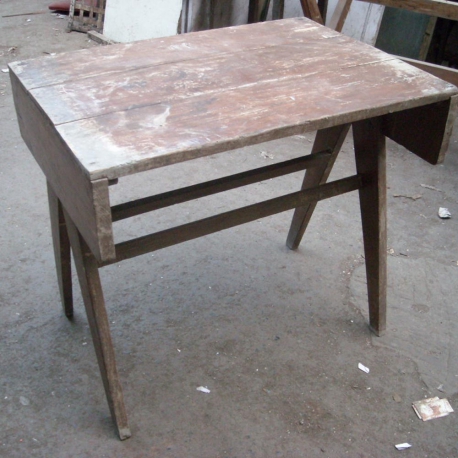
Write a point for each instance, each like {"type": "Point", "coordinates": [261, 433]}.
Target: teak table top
{"type": "Point", "coordinates": [132, 107]}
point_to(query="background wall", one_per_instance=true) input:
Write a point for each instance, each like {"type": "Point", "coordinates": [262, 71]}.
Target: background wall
{"type": "Point", "coordinates": [141, 19]}
{"type": "Point", "coordinates": [363, 20]}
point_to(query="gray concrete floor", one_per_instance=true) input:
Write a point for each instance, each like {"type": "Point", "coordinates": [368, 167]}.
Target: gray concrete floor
{"type": "Point", "coordinates": [275, 335]}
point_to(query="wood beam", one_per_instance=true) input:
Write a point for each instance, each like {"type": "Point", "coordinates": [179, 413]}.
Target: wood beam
{"type": "Point", "coordinates": [178, 196]}
{"type": "Point", "coordinates": [226, 220]}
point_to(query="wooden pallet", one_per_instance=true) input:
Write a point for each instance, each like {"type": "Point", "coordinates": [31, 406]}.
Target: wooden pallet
{"type": "Point", "coordinates": [86, 15]}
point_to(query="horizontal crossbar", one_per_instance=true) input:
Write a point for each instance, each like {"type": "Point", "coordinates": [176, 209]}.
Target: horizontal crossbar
{"type": "Point", "coordinates": [147, 204]}
{"type": "Point", "coordinates": [226, 220]}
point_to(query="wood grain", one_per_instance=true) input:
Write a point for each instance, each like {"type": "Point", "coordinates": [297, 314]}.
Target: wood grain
{"type": "Point", "coordinates": [446, 73]}
{"type": "Point", "coordinates": [226, 220]}
{"type": "Point", "coordinates": [97, 115]}
{"type": "Point", "coordinates": [91, 289]}
{"type": "Point", "coordinates": [340, 14]}
{"type": "Point", "coordinates": [87, 63]}
{"type": "Point", "coordinates": [425, 130]}
{"type": "Point", "coordinates": [86, 201]}
{"type": "Point", "coordinates": [147, 204]}
{"type": "Point", "coordinates": [370, 154]}
{"type": "Point", "coordinates": [136, 109]}
{"type": "Point", "coordinates": [311, 10]}
{"type": "Point", "coordinates": [330, 139]}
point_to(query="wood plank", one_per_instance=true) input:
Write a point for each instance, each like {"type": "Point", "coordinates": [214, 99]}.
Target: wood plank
{"type": "Point", "coordinates": [427, 38]}
{"type": "Point", "coordinates": [425, 131]}
{"type": "Point", "coordinates": [438, 8]}
{"type": "Point", "coordinates": [370, 154]}
{"type": "Point", "coordinates": [210, 103]}
{"type": "Point", "coordinates": [91, 289]}
{"type": "Point", "coordinates": [119, 58]}
{"type": "Point", "coordinates": [99, 38]}
{"type": "Point", "coordinates": [445, 73]}
{"type": "Point", "coordinates": [311, 10]}
{"type": "Point", "coordinates": [340, 14]}
{"type": "Point", "coordinates": [173, 82]}
{"type": "Point", "coordinates": [211, 123]}
{"type": "Point", "coordinates": [226, 220]}
{"type": "Point", "coordinates": [147, 204]}
{"type": "Point", "coordinates": [86, 201]}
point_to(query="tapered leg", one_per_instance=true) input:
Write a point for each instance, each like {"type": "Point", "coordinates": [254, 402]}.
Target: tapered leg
{"type": "Point", "coordinates": [371, 165]}
{"type": "Point", "coordinates": [62, 254]}
{"type": "Point", "coordinates": [91, 289]}
{"type": "Point", "coordinates": [330, 139]}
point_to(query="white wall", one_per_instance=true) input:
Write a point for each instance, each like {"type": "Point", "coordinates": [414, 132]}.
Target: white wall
{"type": "Point", "coordinates": [132, 20]}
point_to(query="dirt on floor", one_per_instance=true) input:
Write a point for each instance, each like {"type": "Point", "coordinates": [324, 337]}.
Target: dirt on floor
{"type": "Point", "coordinates": [275, 335]}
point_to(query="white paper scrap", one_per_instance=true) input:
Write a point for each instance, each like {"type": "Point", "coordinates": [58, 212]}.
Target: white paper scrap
{"type": "Point", "coordinates": [5, 70]}
{"type": "Point", "coordinates": [266, 155]}
{"type": "Point", "coordinates": [428, 409]}
{"type": "Point", "coordinates": [203, 389]}
{"type": "Point", "coordinates": [363, 368]}
{"type": "Point", "coordinates": [444, 213]}
{"type": "Point", "coordinates": [403, 446]}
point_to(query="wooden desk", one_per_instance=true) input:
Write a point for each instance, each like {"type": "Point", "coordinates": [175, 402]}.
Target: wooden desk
{"type": "Point", "coordinates": [94, 116]}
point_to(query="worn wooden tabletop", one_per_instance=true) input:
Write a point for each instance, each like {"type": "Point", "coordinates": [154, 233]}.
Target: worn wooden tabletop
{"type": "Point", "coordinates": [127, 108]}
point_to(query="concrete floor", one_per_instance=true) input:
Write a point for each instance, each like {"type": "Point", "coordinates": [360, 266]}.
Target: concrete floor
{"type": "Point", "coordinates": [275, 335]}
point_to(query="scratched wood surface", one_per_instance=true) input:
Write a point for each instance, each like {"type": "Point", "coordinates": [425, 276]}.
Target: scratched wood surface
{"type": "Point", "coordinates": [128, 108]}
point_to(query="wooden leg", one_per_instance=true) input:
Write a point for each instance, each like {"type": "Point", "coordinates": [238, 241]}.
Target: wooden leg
{"type": "Point", "coordinates": [330, 139]}
{"type": "Point", "coordinates": [371, 165]}
{"type": "Point", "coordinates": [91, 289]}
{"type": "Point", "coordinates": [62, 254]}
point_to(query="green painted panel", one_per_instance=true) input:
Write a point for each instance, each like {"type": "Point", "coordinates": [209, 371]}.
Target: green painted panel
{"type": "Point", "coordinates": [401, 32]}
